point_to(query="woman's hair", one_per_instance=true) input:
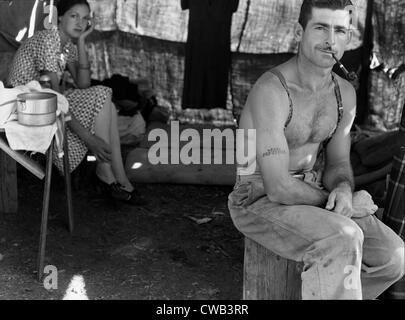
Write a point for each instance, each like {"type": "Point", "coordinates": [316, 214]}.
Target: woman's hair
{"type": "Point", "coordinates": [308, 5]}
{"type": "Point", "coordinates": [65, 5]}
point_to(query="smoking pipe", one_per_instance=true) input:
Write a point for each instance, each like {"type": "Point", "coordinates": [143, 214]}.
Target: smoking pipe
{"type": "Point", "coordinates": [351, 76]}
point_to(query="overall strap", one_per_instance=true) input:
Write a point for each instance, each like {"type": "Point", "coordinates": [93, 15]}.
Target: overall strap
{"type": "Point", "coordinates": [284, 83]}
{"type": "Point", "coordinates": [338, 95]}
{"type": "Point", "coordinates": [340, 111]}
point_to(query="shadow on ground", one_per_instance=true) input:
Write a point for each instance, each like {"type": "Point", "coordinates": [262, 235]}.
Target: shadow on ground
{"type": "Point", "coordinates": [158, 251]}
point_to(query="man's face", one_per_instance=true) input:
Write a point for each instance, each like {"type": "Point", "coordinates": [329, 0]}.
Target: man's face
{"type": "Point", "coordinates": [327, 32]}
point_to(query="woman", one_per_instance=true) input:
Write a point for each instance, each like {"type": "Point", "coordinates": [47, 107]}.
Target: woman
{"type": "Point", "coordinates": [94, 120]}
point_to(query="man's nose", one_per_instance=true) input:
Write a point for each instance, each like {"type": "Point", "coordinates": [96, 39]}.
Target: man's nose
{"type": "Point", "coordinates": [331, 38]}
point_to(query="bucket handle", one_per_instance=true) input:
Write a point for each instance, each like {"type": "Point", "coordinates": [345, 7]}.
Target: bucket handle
{"type": "Point", "coordinates": [8, 102]}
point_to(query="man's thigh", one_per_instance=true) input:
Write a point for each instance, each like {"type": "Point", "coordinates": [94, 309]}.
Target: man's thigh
{"type": "Point", "coordinates": [288, 230]}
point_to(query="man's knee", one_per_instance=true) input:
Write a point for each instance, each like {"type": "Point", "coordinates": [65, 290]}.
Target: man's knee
{"type": "Point", "coordinates": [238, 216]}
{"type": "Point", "coordinates": [350, 235]}
{"type": "Point", "coordinates": [396, 265]}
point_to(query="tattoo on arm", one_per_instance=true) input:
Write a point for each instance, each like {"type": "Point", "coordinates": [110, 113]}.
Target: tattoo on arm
{"type": "Point", "coordinates": [274, 152]}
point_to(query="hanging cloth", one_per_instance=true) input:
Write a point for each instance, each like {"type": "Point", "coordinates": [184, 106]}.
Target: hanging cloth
{"type": "Point", "coordinates": [208, 53]}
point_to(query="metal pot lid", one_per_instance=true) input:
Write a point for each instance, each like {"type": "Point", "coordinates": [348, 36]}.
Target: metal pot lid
{"type": "Point", "coordinates": [36, 96]}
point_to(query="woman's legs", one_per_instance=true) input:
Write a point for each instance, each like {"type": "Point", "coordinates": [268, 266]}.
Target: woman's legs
{"type": "Point", "coordinates": [102, 130]}
{"type": "Point", "coordinates": [106, 127]}
{"type": "Point", "coordinates": [117, 162]}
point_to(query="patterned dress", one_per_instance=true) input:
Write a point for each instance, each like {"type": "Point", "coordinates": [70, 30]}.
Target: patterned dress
{"type": "Point", "coordinates": [43, 52]}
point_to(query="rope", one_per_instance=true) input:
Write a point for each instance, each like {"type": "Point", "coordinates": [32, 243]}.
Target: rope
{"type": "Point", "coordinates": [51, 11]}
{"type": "Point", "coordinates": [244, 24]}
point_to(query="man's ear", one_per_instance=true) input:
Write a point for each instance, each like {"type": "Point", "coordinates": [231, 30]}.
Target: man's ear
{"type": "Point", "coordinates": [298, 32]}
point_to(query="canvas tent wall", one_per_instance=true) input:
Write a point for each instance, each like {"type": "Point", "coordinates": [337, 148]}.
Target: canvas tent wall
{"type": "Point", "coordinates": [141, 38]}
{"type": "Point", "coordinates": [146, 38]}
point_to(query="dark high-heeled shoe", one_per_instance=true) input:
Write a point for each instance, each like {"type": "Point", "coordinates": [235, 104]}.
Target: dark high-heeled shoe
{"type": "Point", "coordinates": [112, 190]}
{"type": "Point", "coordinates": [133, 197]}
{"type": "Point", "coordinates": [116, 192]}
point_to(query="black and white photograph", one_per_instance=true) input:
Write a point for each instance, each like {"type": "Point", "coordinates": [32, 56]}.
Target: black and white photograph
{"type": "Point", "coordinates": [202, 155]}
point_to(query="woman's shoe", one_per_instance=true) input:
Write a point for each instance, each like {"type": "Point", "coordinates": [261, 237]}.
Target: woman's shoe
{"type": "Point", "coordinates": [112, 190]}
{"type": "Point", "coordinates": [117, 192]}
{"type": "Point", "coordinates": [100, 186]}
{"type": "Point", "coordinates": [133, 198]}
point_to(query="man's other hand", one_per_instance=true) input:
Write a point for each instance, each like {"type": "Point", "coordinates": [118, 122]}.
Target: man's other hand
{"type": "Point", "coordinates": [363, 205]}
{"type": "Point", "coordinates": [341, 202]}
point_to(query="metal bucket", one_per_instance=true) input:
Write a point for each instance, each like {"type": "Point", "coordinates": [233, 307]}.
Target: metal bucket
{"type": "Point", "coordinates": [36, 109]}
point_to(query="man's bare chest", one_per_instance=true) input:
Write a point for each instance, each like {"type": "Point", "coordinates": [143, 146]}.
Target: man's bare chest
{"type": "Point", "coordinates": [314, 119]}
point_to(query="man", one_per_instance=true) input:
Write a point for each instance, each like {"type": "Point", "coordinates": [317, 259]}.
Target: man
{"type": "Point", "coordinates": [301, 111]}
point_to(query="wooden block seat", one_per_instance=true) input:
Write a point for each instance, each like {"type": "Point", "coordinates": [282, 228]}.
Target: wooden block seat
{"type": "Point", "coordinates": [267, 276]}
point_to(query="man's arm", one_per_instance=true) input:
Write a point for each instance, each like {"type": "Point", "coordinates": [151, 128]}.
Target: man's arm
{"type": "Point", "coordinates": [338, 176]}
{"type": "Point", "coordinates": [269, 109]}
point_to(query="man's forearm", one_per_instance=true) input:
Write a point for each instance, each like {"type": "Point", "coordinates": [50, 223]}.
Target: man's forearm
{"type": "Point", "coordinates": [297, 192]}
{"type": "Point", "coordinates": [340, 175]}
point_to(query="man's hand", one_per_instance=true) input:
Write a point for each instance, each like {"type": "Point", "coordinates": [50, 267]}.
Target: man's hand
{"type": "Point", "coordinates": [100, 149]}
{"type": "Point", "coordinates": [341, 201]}
{"type": "Point", "coordinates": [363, 205]}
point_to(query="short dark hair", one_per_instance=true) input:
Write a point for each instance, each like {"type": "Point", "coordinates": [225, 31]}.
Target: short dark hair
{"type": "Point", "coordinates": [65, 5]}
{"type": "Point", "coordinates": [308, 5]}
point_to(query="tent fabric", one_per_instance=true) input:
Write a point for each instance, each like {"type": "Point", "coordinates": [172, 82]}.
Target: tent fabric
{"type": "Point", "coordinates": [387, 96]}
{"type": "Point", "coordinates": [389, 30]}
{"type": "Point", "coordinates": [148, 41]}
{"type": "Point", "coordinates": [161, 62]}
{"type": "Point", "coordinates": [394, 214]}
{"type": "Point", "coordinates": [270, 25]}
{"type": "Point", "coordinates": [19, 19]}
{"type": "Point", "coordinates": [386, 101]}
{"type": "Point", "coordinates": [208, 53]}
{"type": "Point", "coordinates": [259, 26]}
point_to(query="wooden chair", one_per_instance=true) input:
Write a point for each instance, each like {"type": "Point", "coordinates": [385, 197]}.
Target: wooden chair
{"type": "Point", "coordinates": [267, 276]}
{"type": "Point", "coordinates": [41, 173]}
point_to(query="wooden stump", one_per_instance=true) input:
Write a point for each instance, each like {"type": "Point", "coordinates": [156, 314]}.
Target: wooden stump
{"type": "Point", "coordinates": [8, 184]}
{"type": "Point", "coordinates": [268, 276]}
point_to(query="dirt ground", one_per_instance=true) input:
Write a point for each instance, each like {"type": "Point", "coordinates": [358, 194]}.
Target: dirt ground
{"type": "Point", "coordinates": [158, 251]}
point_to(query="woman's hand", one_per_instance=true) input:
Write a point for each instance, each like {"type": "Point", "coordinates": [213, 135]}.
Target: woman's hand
{"type": "Point", "coordinates": [99, 148]}
{"type": "Point", "coordinates": [89, 30]}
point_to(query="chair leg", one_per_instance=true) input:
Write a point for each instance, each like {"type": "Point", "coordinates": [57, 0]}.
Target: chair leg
{"type": "Point", "coordinates": [68, 183]}
{"type": "Point", "coordinates": [45, 211]}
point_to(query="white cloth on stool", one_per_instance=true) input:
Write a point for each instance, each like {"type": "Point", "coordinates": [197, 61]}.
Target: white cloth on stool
{"type": "Point", "coordinates": [36, 139]}
{"type": "Point", "coordinates": [8, 103]}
